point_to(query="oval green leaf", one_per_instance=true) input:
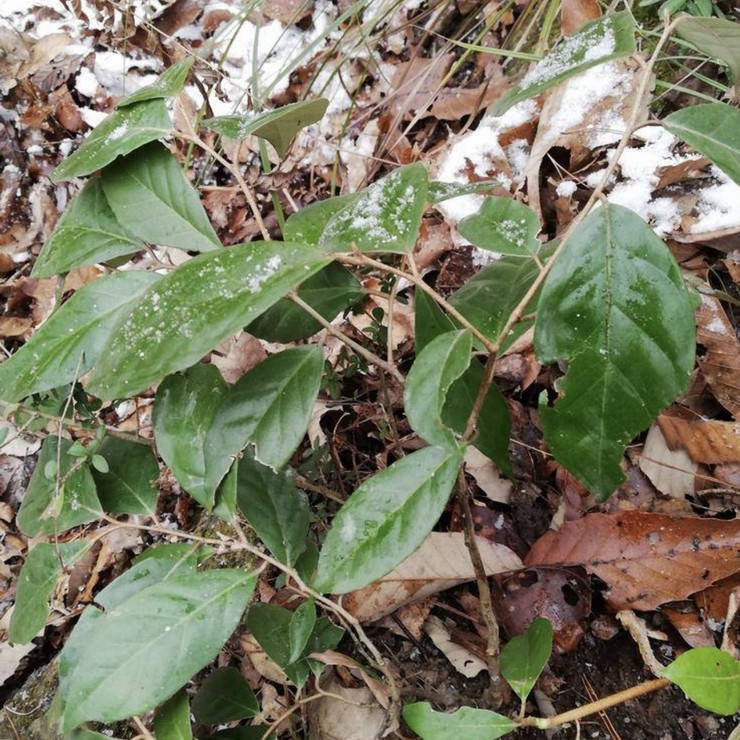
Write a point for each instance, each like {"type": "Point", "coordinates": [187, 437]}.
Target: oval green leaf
{"type": "Point", "coordinates": [464, 724]}
{"type": "Point", "coordinates": [188, 312]}
{"type": "Point", "coordinates": [503, 225]}
{"type": "Point", "coordinates": [224, 696]}
{"type": "Point", "coordinates": [600, 309]}
{"type": "Point", "coordinates": [308, 224]}
{"type": "Point", "coordinates": [386, 519]}
{"type": "Point", "coordinates": [129, 659]}
{"type": "Point", "coordinates": [172, 720]}
{"type": "Point", "coordinates": [523, 658]}
{"type": "Point", "coordinates": [301, 626]}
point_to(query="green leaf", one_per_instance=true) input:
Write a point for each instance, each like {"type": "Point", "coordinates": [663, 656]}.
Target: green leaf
{"type": "Point", "coordinates": [36, 583]}
{"type": "Point", "coordinates": [129, 485]}
{"type": "Point", "coordinates": [384, 218]}
{"type": "Point", "coordinates": [709, 677]}
{"type": "Point", "coordinates": [489, 297]}
{"type": "Point", "coordinates": [435, 369]}
{"type": "Point", "coordinates": [184, 409]}
{"type": "Point", "coordinates": [172, 720]}
{"type": "Point", "coordinates": [48, 509]}
{"type": "Point", "coordinates": [225, 506]}
{"type": "Point", "coordinates": [606, 38]}
{"type": "Point", "coordinates": [308, 224]}
{"type": "Point", "coordinates": [713, 129]}
{"type": "Point", "coordinates": [279, 126]}
{"type": "Point", "coordinates": [130, 658]}
{"type": "Point", "coordinates": [254, 732]}
{"type": "Point", "coordinates": [440, 191]}
{"type": "Point", "coordinates": [168, 85]}
{"type": "Point", "coordinates": [224, 696]}
{"type": "Point", "coordinates": [269, 407]}
{"type": "Point", "coordinates": [71, 340]}
{"type": "Point", "coordinates": [464, 724]}
{"type": "Point", "coordinates": [120, 133]}
{"type": "Point", "coordinates": [87, 232]}
{"type": "Point", "coordinates": [714, 37]}
{"type": "Point", "coordinates": [524, 657]}
{"type": "Point", "coordinates": [429, 321]}
{"type": "Point", "coordinates": [276, 510]}
{"type": "Point", "coordinates": [193, 308]}
{"type": "Point", "coordinates": [300, 628]}
{"type": "Point", "coordinates": [503, 225]}
{"type": "Point", "coordinates": [601, 309]}
{"type": "Point", "coordinates": [151, 196]}
{"type": "Point", "coordinates": [386, 519]}
{"type": "Point", "coordinates": [329, 292]}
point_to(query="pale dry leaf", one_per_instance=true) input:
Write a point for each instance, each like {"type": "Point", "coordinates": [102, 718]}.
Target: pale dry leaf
{"type": "Point", "coordinates": [731, 635]}
{"type": "Point", "coordinates": [645, 559]}
{"type": "Point", "coordinates": [10, 655]}
{"type": "Point", "coordinates": [464, 662]}
{"type": "Point", "coordinates": [416, 84]}
{"type": "Point", "coordinates": [236, 355]}
{"type": "Point", "coordinates": [15, 444]}
{"type": "Point", "coordinates": [639, 633]}
{"type": "Point", "coordinates": [263, 664]}
{"type": "Point", "coordinates": [379, 690]}
{"type": "Point", "coordinates": [671, 471]}
{"type": "Point", "coordinates": [440, 563]}
{"type": "Point", "coordinates": [576, 13]}
{"type": "Point", "coordinates": [487, 476]}
{"type": "Point", "coordinates": [705, 440]}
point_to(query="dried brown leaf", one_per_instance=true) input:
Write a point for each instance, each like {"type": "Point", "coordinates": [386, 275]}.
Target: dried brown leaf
{"type": "Point", "coordinates": [463, 660]}
{"type": "Point", "coordinates": [646, 559]}
{"type": "Point", "coordinates": [669, 468]}
{"type": "Point", "coordinates": [705, 440]}
{"type": "Point", "coordinates": [576, 13]}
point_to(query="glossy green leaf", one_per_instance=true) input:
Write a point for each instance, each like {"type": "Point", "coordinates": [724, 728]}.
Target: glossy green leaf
{"type": "Point", "coordinates": [503, 225]}
{"type": "Point", "coordinates": [308, 224]}
{"type": "Point", "coordinates": [224, 696]}
{"type": "Point", "coordinates": [609, 37]}
{"type": "Point", "coordinates": [440, 191]}
{"type": "Point", "coordinates": [87, 232]}
{"type": "Point", "coordinates": [386, 519]}
{"type": "Point", "coordinates": [435, 369]}
{"type": "Point", "coordinates": [150, 195]}
{"type": "Point", "coordinates": [429, 321]}
{"type": "Point", "coordinates": [384, 218]}
{"type": "Point", "coordinates": [716, 38]}
{"type": "Point", "coordinates": [48, 508]}
{"type": "Point", "coordinates": [128, 487]}
{"type": "Point", "coordinates": [523, 658]}
{"type": "Point", "coordinates": [71, 340]}
{"type": "Point", "coordinates": [464, 724]}
{"type": "Point", "coordinates": [36, 583]}
{"type": "Point", "coordinates": [193, 308]}
{"type": "Point", "coordinates": [489, 297]}
{"type": "Point", "coordinates": [168, 85]}
{"type": "Point", "coordinates": [172, 720]}
{"type": "Point", "coordinates": [269, 408]}
{"type": "Point", "coordinates": [713, 129]}
{"type": "Point", "coordinates": [598, 310]}
{"type": "Point", "coordinates": [130, 658]}
{"type": "Point", "coordinates": [276, 510]}
{"type": "Point", "coordinates": [709, 677]}
{"type": "Point", "coordinates": [120, 133]}
{"type": "Point", "coordinates": [278, 126]}
{"type": "Point", "coordinates": [184, 409]}
{"type": "Point", "coordinates": [329, 292]}
{"type": "Point", "coordinates": [300, 628]}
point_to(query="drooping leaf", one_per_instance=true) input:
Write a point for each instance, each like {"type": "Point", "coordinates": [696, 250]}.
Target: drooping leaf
{"type": "Point", "coordinates": [172, 720]}
{"type": "Point", "coordinates": [269, 408]}
{"type": "Point", "coordinates": [329, 292]}
{"type": "Point", "coordinates": [308, 224]}
{"type": "Point", "coordinates": [87, 232]}
{"type": "Point", "coordinates": [713, 129]}
{"type": "Point", "coordinates": [184, 409]}
{"type": "Point", "coordinates": [168, 85]}
{"type": "Point", "coordinates": [603, 39]}
{"type": "Point", "coordinates": [193, 308]}
{"type": "Point", "coordinates": [54, 503]}
{"type": "Point", "coordinates": [503, 225]}
{"type": "Point", "coordinates": [435, 369]}
{"type": "Point", "coordinates": [120, 133]}
{"type": "Point", "coordinates": [224, 696]}
{"type": "Point", "coordinates": [716, 38]}
{"type": "Point", "coordinates": [709, 677]}
{"type": "Point", "coordinates": [598, 310]}
{"type": "Point", "coordinates": [464, 724]}
{"type": "Point", "coordinates": [130, 658]}
{"type": "Point", "coordinates": [151, 197]}
{"type": "Point", "coordinates": [128, 487]}
{"type": "Point", "coordinates": [278, 126]}
{"type": "Point", "coordinates": [274, 507]}
{"type": "Point", "coordinates": [523, 658]}
{"type": "Point", "coordinates": [300, 628]}
{"type": "Point", "coordinates": [69, 343]}
{"type": "Point", "coordinates": [384, 218]}
{"type": "Point", "coordinates": [36, 582]}
{"type": "Point", "coordinates": [386, 519]}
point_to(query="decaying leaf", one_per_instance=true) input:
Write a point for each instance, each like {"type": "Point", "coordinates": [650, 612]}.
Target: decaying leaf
{"type": "Point", "coordinates": [464, 661]}
{"type": "Point", "coordinates": [705, 440]}
{"type": "Point", "coordinates": [669, 469]}
{"type": "Point", "coordinates": [646, 559]}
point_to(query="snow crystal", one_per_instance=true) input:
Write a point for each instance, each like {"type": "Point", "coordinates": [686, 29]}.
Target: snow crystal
{"type": "Point", "coordinates": [119, 132]}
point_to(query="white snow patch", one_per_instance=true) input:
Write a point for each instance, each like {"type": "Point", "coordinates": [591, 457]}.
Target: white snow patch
{"type": "Point", "coordinates": [86, 83]}
{"type": "Point", "coordinates": [566, 188]}
{"type": "Point", "coordinates": [718, 205]}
